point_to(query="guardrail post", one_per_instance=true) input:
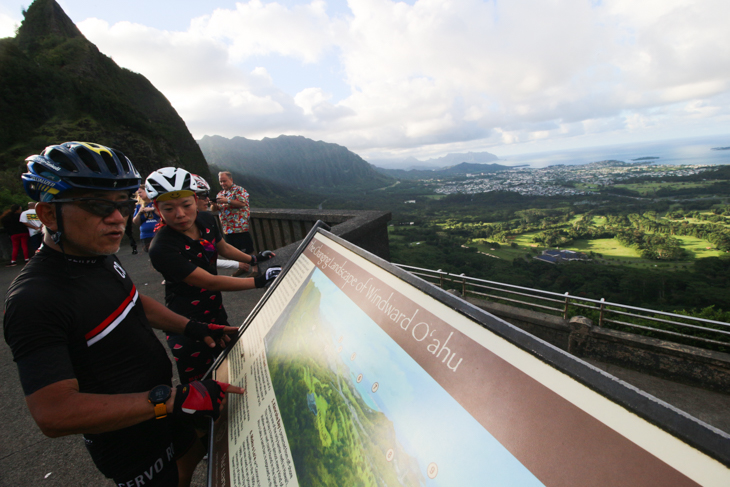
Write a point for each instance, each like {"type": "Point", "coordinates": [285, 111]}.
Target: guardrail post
{"type": "Point", "coordinates": [565, 311]}
{"type": "Point", "coordinates": [441, 278]}
{"type": "Point", "coordinates": [603, 307]}
{"type": "Point", "coordinates": [463, 285]}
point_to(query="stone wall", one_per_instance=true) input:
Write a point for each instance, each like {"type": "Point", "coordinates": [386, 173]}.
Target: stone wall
{"type": "Point", "coordinates": [580, 337]}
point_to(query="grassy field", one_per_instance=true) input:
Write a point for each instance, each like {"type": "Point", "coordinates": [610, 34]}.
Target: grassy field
{"type": "Point", "coordinates": [650, 188]}
{"type": "Point", "coordinates": [695, 221]}
{"type": "Point", "coordinates": [587, 187]}
{"type": "Point", "coordinates": [610, 250]}
{"type": "Point", "coordinates": [609, 247]}
{"type": "Point", "coordinates": [606, 250]}
{"type": "Point", "coordinates": [505, 251]}
{"type": "Point", "coordinates": [698, 248]}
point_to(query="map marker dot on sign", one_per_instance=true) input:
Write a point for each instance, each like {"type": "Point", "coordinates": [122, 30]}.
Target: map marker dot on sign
{"type": "Point", "coordinates": [433, 470]}
{"type": "Point", "coordinates": [359, 378]}
{"type": "Point", "coordinates": [390, 454]}
{"type": "Point", "coordinates": [375, 387]}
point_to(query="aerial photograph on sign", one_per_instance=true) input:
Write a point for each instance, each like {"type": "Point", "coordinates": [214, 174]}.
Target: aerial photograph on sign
{"type": "Point", "coordinates": [357, 409]}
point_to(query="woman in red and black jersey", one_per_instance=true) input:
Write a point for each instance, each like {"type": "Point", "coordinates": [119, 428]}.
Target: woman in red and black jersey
{"type": "Point", "coordinates": [185, 251]}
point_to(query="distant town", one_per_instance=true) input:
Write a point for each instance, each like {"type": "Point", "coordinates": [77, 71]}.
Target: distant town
{"type": "Point", "coordinates": [561, 180]}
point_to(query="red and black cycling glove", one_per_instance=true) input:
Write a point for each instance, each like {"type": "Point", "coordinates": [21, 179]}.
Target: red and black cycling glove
{"type": "Point", "coordinates": [199, 399]}
{"type": "Point", "coordinates": [261, 257]}
{"type": "Point", "coordinates": [198, 331]}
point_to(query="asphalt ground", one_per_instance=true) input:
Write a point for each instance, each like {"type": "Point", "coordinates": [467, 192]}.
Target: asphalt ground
{"type": "Point", "coordinates": [27, 457]}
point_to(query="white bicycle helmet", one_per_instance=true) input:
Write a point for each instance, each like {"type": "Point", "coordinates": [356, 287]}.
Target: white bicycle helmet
{"type": "Point", "coordinates": [170, 183]}
{"type": "Point", "coordinates": [203, 186]}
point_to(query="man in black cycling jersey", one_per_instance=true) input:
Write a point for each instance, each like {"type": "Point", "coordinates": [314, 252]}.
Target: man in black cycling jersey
{"type": "Point", "coordinates": [81, 333]}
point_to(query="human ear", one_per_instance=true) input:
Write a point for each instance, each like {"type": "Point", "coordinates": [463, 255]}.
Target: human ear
{"type": "Point", "coordinates": [47, 215]}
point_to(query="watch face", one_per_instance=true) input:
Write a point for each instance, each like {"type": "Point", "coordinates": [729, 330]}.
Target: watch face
{"type": "Point", "coordinates": [159, 394]}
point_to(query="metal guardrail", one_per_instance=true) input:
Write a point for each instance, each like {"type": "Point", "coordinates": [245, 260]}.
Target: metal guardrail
{"type": "Point", "coordinates": [643, 320]}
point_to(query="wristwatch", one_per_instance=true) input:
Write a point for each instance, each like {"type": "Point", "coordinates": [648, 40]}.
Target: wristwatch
{"type": "Point", "coordinates": [157, 397]}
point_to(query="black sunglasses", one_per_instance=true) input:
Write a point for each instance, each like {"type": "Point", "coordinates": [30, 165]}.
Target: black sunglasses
{"type": "Point", "coordinates": [204, 196]}
{"type": "Point", "coordinates": [102, 207]}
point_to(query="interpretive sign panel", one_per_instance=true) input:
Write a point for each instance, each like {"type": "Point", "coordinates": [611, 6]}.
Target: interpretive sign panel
{"type": "Point", "coordinates": [355, 376]}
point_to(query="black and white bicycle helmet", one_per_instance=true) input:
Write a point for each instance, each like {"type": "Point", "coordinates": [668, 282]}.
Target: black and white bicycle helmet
{"type": "Point", "coordinates": [203, 186]}
{"type": "Point", "coordinates": [170, 183]}
{"type": "Point", "coordinates": [78, 165]}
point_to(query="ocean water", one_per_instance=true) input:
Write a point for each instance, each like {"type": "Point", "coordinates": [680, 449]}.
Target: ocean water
{"type": "Point", "coordinates": [670, 152]}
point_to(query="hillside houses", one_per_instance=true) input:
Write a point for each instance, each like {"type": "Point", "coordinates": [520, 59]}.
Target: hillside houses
{"type": "Point", "coordinates": [561, 180]}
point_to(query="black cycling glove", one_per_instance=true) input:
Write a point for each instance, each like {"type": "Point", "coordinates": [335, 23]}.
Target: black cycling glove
{"type": "Point", "coordinates": [264, 279]}
{"type": "Point", "coordinates": [199, 399]}
{"type": "Point", "coordinates": [262, 257]}
{"type": "Point", "coordinates": [198, 331]}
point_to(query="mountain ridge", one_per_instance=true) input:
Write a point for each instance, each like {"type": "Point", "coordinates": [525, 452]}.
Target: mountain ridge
{"type": "Point", "coordinates": [293, 160]}
{"type": "Point", "coordinates": [56, 86]}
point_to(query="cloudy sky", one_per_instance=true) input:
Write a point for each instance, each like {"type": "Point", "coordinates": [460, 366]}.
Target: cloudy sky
{"type": "Point", "coordinates": [427, 77]}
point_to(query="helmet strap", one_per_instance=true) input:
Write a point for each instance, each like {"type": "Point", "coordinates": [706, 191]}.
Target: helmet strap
{"type": "Point", "coordinates": [56, 236]}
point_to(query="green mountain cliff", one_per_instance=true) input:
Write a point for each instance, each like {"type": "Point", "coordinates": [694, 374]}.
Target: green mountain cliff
{"type": "Point", "coordinates": [294, 161]}
{"type": "Point", "coordinates": [56, 86]}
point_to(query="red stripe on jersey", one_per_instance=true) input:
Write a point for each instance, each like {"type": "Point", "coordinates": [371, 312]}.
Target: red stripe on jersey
{"type": "Point", "coordinates": [122, 309]}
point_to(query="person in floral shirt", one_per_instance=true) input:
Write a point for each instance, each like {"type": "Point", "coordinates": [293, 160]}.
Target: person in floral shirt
{"type": "Point", "coordinates": [234, 212]}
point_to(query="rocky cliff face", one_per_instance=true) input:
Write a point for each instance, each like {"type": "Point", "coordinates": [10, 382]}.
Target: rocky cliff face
{"type": "Point", "coordinates": [56, 86]}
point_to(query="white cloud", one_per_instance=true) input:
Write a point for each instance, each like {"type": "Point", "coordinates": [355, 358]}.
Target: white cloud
{"type": "Point", "coordinates": [257, 29]}
{"type": "Point", "coordinates": [8, 25]}
{"type": "Point", "coordinates": [310, 98]}
{"type": "Point", "coordinates": [439, 73]}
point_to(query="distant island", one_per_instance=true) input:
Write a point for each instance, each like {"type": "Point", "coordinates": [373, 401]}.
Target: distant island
{"type": "Point", "coordinates": [651, 158]}
{"type": "Point", "coordinates": [720, 148]}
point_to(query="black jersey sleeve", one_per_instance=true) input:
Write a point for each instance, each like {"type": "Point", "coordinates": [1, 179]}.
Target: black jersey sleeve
{"type": "Point", "coordinates": [43, 367]}
{"type": "Point", "coordinates": [38, 340]}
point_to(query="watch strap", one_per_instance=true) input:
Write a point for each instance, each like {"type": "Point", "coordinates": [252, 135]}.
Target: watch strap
{"type": "Point", "coordinates": [160, 410]}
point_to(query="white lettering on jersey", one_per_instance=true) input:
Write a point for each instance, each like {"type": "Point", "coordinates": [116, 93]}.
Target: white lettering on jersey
{"type": "Point", "coordinates": [120, 270]}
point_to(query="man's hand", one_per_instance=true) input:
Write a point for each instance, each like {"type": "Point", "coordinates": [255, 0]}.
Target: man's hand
{"type": "Point", "coordinates": [209, 333]}
{"type": "Point", "coordinates": [200, 399]}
